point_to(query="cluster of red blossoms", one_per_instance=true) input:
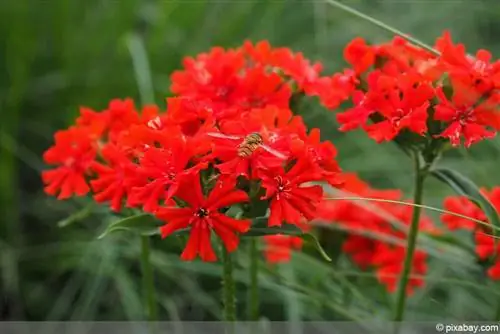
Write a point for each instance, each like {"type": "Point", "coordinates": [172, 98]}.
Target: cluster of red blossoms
{"type": "Point", "coordinates": [227, 138]}
{"type": "Point", "coordinates": [485, 244]}
{"type": "Point", "coordinates": [376, 233]}
{"type": "Point", "coordinates": [399, 87]}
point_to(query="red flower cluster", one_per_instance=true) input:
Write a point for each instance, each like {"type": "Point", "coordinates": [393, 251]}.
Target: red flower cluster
{"type": "Point", "coordinates": [228, 129]}
{"type": "Point", "coordinates": [400, 87]}
{"type": "Point", "coordinates": [372, 240]}
{"type": "Point", "coordinates": [485, 244]}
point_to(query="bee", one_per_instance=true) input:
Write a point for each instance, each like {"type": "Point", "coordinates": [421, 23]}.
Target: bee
{"type": "Point", "coordinates": [249, 144]}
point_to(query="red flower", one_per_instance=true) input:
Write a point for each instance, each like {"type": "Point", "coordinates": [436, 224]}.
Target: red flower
{"type": "Point", "coordinates": [359, 55]}
{"type": "Point", "coordinates": [398, 94]}
{"type": "Point", "coordinates": [464, 117]}
{"type": "Point", "coordinates": [202, 216]}
{"type": "Point", "coordinates": [476, 73]}
{"type": "Point", "coordinates": [74, 153]}
{"type": "Point", "coordinates": [115, 178]}
{"type": "Point", "coordinates": [485, 243]}
{"type": "Point", "coordinates": [162, 170]}
{"type": "Point", "coordinates": [465, 207]}
{"type": "Point", "coordinates": [321, 155]}
{"type": "Point", "coordinates": [290, 201]}
{"type": "Point", "coordinates": [278, 248]}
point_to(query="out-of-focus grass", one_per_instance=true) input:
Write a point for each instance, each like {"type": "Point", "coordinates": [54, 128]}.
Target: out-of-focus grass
{"type": "Point", "coordinates": [58, 55]}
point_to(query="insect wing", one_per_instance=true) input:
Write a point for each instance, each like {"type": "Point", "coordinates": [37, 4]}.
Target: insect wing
{"type": "Point", "coordinates": [274, 152]}
{"type": "Point", "coordinates": [223, 136]}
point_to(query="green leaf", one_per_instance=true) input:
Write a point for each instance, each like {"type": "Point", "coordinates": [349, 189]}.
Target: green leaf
{"type": "Point", "coordinates": [143, 224]}
{"type": "Point", "coordinates": [465, 187]}
{"type": "Point", "coordinates": [77, 216]}
{"type": "Point", "coordinates": [260, 228]}
{"type": "Point", "coordinates": [314, 241]}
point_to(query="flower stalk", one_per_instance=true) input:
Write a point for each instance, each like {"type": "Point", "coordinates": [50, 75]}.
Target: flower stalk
{"type": "Point", "coordinates": [148, 280]}
{"type": "Point", "coordinates": [228, 291]}
{"type": "Point", "coordinates": [420, 174]}
{"type": "Point", "coordinates": [253, 292]}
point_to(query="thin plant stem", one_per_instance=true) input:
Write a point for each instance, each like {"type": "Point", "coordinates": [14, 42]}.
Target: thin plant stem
{"type": "Point", "coordinates": [420, 175]}
{"type": "Point", "coordinates": [148, 280]}
{"type": "Point", "coordinates": [228, 291]}
{"type": "Point", "coordinates": [253, 292]}
{"type": "Point", "coordinates": [382, 25]}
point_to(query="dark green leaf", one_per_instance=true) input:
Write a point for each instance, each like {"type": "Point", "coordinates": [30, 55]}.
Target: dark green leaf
{"type": "Point", "coordinates": [143, 224]}
{"type": "Point", "coordinates": [314, 241]}
{"type": "Point", "coordinates": [259, 228]}
{"type": "Point", "coordinates": [77, 216]}
{"type": "Point", "coordinates": [465, 187]}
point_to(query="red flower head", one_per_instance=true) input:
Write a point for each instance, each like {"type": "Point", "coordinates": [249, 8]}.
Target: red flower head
{"type": "Point", "coordinates": [396, 83]}
{"type": "Point", "coordinates": [162, 169]}
{"type": "Point", "coordinates": [290, 200]}
{"type": "Point", "coordinates": [464, 118]}
{"type": "Point", "coordinates": [115, 178]}
{"type": "Point", "coordinates": [202, 216]}
{"type": "Point", "coordinates": [74, 152]}
{"type": "Point", "coordinates": [477, 73]}
{"type": "Point", "coordinates": [360, 55]}
{"type": "Point", "coordinates": [485, 243]}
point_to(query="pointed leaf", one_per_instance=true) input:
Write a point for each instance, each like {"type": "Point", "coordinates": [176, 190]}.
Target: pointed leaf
{"type": "Point", "coordinates": [143, 224]}
{"type": "Point", "coordinates": [260, 228]}
{"type": "Point", "coordinates": [465, 187]}
{"type": "Point", "coordinates": [77, 216]}
{"type": "Point", "coordinates": [315, 242]}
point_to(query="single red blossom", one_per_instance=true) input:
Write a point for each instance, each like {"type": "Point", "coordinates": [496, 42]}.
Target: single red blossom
{"type": "Point", "coordinates": [334, 90]}
{"type": "Point", "coordinates": [485, 243]}
{"type": "Point", "coordinates": [291, 64]}
{"type": "Point", "coordinates": [115, 178]}
{"type": "Point", "coordinates": [360, 55]}
{"type": "Point", "coordinates": [211, 75]}
{"type": "Point", "coordinates": [290, 200]}
{"type": "Point", "coordinates": [477, 73]}
{"type": "Point", "coordinates": [278, 248]}
{"type": "Point", "coordinates": [408, 111]}
{"type": "Point", "coordinates": [202, 216]}
{"type": "Point", "coordinates": [162, 171]}
{"type": "Point", "coordinates": [121, 114]}
{"type": "Point", "coordinates": [258, 89]}
{"type": "Point", "coordinates": [194, 115]}
{"type": "Point", "coordinates": [322, 155]}
{"type": "Point", "coordinates": [402, 55]}
{"type": "Point", "coordinates": [464, 119]}
{"type": "Point", "coordinates": [96, 123]}
{"type": "Point", "coordinates": [73, 153]}
{"type": "Point", "coordinates": [356, 116]}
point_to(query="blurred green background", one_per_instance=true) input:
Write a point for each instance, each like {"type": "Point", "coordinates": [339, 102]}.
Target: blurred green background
{"type": "Point", "coordinates": [57, 55]}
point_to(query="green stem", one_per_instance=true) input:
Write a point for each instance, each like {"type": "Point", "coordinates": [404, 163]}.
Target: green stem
{"type": "Point", "coordinates": [147, 280]}
{"type": "Point", "coordinates": [382, 25]}
{"type": "Point", "coordinates": [497, 313]}
{"type": "Point", "coordinates": [228, 292]}
{"type": "Point", "coordinates": [253, 292]}
{"type": "Point", "coordinates": [420, 174]}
